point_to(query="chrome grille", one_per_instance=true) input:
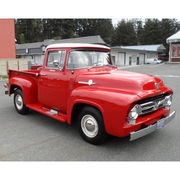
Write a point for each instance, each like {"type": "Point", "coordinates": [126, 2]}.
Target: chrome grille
{"type": "Point", "coordinates": [151, 106]}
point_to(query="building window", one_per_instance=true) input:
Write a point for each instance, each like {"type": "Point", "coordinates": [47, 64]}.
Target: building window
{"type": "Point", "coordinates": [130, 60]}
{"type": "Point", "coordinates": [137, 60]}
{"type": "Point", "coordinates": [113, 59]}
{"type": "Point", "coordinates": [175, 50]}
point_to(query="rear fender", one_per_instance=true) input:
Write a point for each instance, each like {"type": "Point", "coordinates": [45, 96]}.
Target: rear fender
{"type": "Point", "coordinates": [28, 87]}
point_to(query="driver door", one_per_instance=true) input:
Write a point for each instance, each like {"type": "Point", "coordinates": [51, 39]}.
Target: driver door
{"type": "Point", "coordinates": [52, 85]}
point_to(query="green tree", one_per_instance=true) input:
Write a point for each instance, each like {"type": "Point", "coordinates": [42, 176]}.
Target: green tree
{"type": "Point", "coordinates": [127, 32]}
{"type": "Point", "coordinates": [62, 28]}
{"type": "Point", "coordinates": [151, 33]}
{"type": "Point", "coordinates": [89, 27]}
{"type": "Point", "coordinates": [168, 27]}
{"type": "Point", "coordinates": [34, 30]}
{"type": "Point", "coordinates": [124, 34]}
{"type": "Point", "coordinates": [156, 31]}
{"type": "Point", "coordinates": [28, 30]}
{"type": "Point", "coordinates": [139, 31]}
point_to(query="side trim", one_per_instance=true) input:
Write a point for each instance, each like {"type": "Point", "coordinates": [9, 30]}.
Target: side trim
{"type": "Point", "coordinates": [90, 82]}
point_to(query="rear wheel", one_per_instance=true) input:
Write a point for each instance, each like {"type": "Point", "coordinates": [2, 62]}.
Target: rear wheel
{"type": "Point", "coordinates": [19, 102]}
{"type": "Point", "coordinates": [91, 125]}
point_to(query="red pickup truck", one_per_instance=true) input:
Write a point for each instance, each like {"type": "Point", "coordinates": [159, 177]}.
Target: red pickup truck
{"type": "Point", "coordinates": [79, 84]}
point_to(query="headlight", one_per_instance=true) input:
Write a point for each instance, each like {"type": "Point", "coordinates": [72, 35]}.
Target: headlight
{"type": "Point", "coordinates": [133, 115]}
{"type": "Point", "coordinates": [168, 102]}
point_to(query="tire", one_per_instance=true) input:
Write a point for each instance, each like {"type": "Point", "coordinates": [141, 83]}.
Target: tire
{"type": "Point", "coordinates": [19, 102]}
{"type": "Point", "coordinates": [91, 126]}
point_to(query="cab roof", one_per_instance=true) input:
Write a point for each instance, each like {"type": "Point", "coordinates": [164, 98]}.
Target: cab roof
{"type": "Point", "coordinates": [77, 45]}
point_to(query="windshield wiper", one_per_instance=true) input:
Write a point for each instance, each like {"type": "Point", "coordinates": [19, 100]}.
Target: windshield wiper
{"type": "Point", "coordinates": [111, 65]}
{"type": "Point", "coordinates": [95, 65]}
{"type": "Point", "coordinates": [101, 65]}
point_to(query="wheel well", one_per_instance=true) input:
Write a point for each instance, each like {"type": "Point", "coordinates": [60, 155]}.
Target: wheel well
{"type": "Point", "coordinates": [13, 88]}
{"type": "Point", "coordinates": [77, 108]}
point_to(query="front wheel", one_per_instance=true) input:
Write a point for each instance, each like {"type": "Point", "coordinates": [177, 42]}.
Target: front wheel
{"type": "Point", "coordinates": [91, 126]}
{"type": "Point", "coordinates": [19, 102]}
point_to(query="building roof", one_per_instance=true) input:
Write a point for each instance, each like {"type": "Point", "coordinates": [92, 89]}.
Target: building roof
{"type": "Point", "coordinates": [77, 45]}
{"type": "Point", "coordinates": [87, 39]}
{"type": "Point", "coordinates": [174, 38]}
{"type": "Point", "coordinates": [152, 48]}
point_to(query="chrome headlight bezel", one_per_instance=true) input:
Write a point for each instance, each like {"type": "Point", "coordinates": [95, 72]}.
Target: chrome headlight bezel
{"type": "Point", "coordinates": [133, 114]}
{"type": "Point", "coordinates": [168, 102]}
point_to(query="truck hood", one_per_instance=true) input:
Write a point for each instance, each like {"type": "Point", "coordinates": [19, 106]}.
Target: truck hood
{"type": "Point", "coordinates": [135, 83]}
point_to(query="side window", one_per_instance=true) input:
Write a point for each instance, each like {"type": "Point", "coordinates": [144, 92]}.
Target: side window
{"type": "Point", "coordinates": [56, 56]}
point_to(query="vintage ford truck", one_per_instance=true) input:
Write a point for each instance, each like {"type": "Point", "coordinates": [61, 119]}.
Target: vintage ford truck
{"type": "Point", "coordinates": [78, 84]}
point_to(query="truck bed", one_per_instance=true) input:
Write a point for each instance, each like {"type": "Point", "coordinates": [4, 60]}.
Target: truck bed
{"type": "Point", "coordinates": [33, 75]}
{"type": "Point", "coordinates": [25, 73]}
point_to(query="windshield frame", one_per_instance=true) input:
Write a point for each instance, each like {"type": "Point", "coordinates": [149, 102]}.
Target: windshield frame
{"type": "Point", "coordinates": [88, 49]}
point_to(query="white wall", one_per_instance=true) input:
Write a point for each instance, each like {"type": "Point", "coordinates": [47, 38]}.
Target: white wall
{"type": "Point", "coordinates": [39, 59]}
{"type": "Point", "coordinates": [151, 55]}
{"type": "Point", "coordinates": [35, 59]}
{"type": "Point", "coordinates": [142, 58]}
{"type": "Point", "coordinates": [131, 55]}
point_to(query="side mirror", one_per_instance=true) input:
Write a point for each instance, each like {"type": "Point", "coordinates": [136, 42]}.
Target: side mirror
{"type": "Point", "coordinates": [56, 63]}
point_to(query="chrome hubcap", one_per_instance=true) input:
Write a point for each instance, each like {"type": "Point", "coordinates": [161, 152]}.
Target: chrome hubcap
{"type": "Point", "coordinates": [89, 126]}
{"type": "Point", "coordinates": [19, 102]}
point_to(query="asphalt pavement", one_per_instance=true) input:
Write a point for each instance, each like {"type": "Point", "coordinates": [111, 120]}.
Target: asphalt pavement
{"type": "Point", "coordinates": [35, 137]}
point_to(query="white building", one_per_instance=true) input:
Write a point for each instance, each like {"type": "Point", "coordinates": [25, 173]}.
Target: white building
{"type": "Point", "coordinates": [174, 47]}
{"type": "Point", "coordinates": [135, 55]}
{"type": "Point", "coordinates": [121, 55]}
{"type": "Point", "coordinates": [34, 52]}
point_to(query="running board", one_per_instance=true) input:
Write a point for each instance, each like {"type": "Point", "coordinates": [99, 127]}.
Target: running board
{"type": "Point", "coordinates": [49, 112]}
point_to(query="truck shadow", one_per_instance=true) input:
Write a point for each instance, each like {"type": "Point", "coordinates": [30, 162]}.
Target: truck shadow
{"type": "Point", "coordinates": [62, 135]}
{"type": "Point", "coordinates": [72, 132]}
{"type": "Point", "coordinates": [112, 140]}
{"type": "Point", "coordinates": [50, 123]}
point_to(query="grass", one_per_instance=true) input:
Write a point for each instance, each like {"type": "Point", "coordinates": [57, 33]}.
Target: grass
{"type": "Point", "coordinates": [4, 77]}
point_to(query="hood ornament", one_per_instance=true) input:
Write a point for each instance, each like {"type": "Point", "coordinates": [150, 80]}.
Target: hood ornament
{"type": "Point", "coordinates": [156, 86]}
{"type": "Point", "coordinates": [90, 82]}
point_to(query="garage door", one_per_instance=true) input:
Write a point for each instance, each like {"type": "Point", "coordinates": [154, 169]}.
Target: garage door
{"type": "Point", "coordinates": [141, 58]}
{"type": "Point", "coordinates": [121, 59]}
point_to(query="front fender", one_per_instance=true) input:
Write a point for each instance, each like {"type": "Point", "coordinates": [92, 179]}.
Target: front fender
{"type": "Point", "coordinates": [113, 105]}
{"type": "Point", "coordinates": [28, 87]}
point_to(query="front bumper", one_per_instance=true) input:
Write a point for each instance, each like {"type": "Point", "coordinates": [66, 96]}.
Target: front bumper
{"type": "Point", "coordinates": [151, 128]}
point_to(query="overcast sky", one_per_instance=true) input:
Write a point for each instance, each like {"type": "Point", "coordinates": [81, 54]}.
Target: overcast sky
{"type": "Point", "coordinates": [115, 21]}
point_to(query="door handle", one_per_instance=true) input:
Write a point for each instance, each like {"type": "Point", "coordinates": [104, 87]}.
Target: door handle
{"type": "Point", "coordinates": [43, 74]}
{"type": "Point", "coordinates": [52, 70]}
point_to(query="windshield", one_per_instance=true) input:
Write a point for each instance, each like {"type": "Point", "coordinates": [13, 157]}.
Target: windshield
{"type": "Point", "coordinates": [86, 59]}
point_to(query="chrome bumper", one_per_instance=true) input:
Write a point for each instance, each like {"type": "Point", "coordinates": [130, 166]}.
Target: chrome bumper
{"type": "Point", "coordinates": [151, 128]}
